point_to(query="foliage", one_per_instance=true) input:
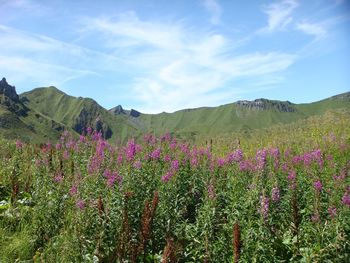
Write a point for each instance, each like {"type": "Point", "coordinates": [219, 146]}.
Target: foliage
{"type": "Point", "coordinates": [281, 196]}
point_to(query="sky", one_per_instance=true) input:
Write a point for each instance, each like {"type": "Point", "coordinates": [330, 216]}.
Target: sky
{"type": "Point", "coordinates": [156, 56]}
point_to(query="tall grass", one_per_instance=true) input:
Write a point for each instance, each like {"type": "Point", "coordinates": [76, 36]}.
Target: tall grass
{"type": "Point", "coordinates": [162, 200]}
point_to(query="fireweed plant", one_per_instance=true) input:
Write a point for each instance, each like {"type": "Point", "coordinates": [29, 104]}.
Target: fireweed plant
{"type": "Point", "coordinates": [162, 200]}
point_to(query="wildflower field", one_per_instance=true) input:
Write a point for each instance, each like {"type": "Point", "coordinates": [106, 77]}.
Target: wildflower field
{"type": "Point", "coordinates": [279, 196]}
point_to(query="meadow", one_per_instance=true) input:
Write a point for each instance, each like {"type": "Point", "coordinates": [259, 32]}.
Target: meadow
{"type": "Point", "coordinates": [276, 195]}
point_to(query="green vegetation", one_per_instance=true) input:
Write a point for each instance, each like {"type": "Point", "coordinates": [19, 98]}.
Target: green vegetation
{"type": "Point", "coordinates": [78, 113]}
{"type": "Point", "coordinates": [235, 118]}
{"type": "Point", "coordinates": [280, 194]}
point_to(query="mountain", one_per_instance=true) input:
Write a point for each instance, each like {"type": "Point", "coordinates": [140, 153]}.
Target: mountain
{"type": "Point", "coordinates": [19, 121]}
{"type": "Point", "coordinates": [43, 113]}
{"type": "Point", "coordinates": [235, 117]}
{"type": "Point", "coordinates": [78, 113]}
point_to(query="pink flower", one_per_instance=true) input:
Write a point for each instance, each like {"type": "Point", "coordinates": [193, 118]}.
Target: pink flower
{"type": "Point", "coordinates": [175, 165]}
{"type": "Point", "coordinates": [19, 144]}
{"type": "Point", "coordinates": [112, 177]}
{"type": "Point", "coordinates": [194, 162]}
{"type": "Point", "coordinates": [261, 159]}
{"type": "Point", "coordinates": [73, 190]}
{"type": "Point", "coordinates": [221, 162]}
{"type": "Point", "coordinates": [291, 176]}
{"type": "Point", "coordinates": [88, 130]}
{"type": "Point", "coordinates": [82, 139]}
{"type": "Point", "coordinates": [167, 158]}
{"type": "Point", "coordinates": [130, 150]}
{"type": "Point", "coordinates": [315, 218]}
{"type": "Point", "coordinates": [137, 165]}
{"type": "Point", "coordinates": [166, 137]}
{"type": "Point", "coordinates": [65, 155]}
{"type": "Point", "coordinates": [318, 185]}
{"type": "Point", "coordinates": [264, 206]}
{"type": "Point", "coordinates": [58, 178]}
{"type": "Point", "coordinates": [80, 204]}
{"type": "Point", "coordinates": [246, 165]}
{"type": "Point", "coordinates": [274, 152]}
{"type": "Point", "coordinates": [346, 199]}
{"type": "Point", "coordinates": [167, 176]}
{"type": "Point", "coordinates": [155, 154]}
{"type": "Point", "coordinates": [150, 139]}
{"type": "Point", "coordinates": [332, 211]}
{"type": "Point", "coordinates": [275, 195]}
{"type": "Point", "coordinates": [236, 156]}
{"type": "Point", "coordinates": [173, 144]}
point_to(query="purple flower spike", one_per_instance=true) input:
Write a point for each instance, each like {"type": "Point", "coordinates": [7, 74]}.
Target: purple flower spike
{"type": "Point", "coordinates": [318, 185]}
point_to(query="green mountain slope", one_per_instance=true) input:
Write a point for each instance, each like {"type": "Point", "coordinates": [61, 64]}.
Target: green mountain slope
{"type": "Point", "coordinates": [18, 121]}
{"type": "Point", "coordinates": [78, 113]}
{"type": "Point", "coordinates": [234, 117]}
{"type": "Point", "coordinates": [43, 113]}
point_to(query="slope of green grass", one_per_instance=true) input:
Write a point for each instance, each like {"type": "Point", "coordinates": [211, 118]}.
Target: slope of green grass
{"type": "Point", "coordinates": [76, 113]}
{"type": "Point", "coordinates": [234, 118]}
{"type": "Point", "coordinates": [281, 195]}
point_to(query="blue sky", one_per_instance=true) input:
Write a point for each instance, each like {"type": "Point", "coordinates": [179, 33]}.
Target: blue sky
{"type": "Point", "coordinates": [157, 56]}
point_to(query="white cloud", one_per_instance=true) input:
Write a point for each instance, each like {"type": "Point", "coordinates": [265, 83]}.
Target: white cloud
{"type": "Point", "coordinates": [46, 61]}
{"type": "Point", "coordinates": [24, 6]}
{"type": "Point", "coordinates": [176, 67]}
{"type": "Point", "coordinates": [279, 15]}
{"type": "Point", "coordinates": [169, 65]}
{"type": "Point", "coordinates": [317, 30]}
{"type": "Point", "coordinates": [21, 69]}
{"type": "Point", "coordinates": [321, 29]}
{"type": "Point", "coordinates": [215, 10]}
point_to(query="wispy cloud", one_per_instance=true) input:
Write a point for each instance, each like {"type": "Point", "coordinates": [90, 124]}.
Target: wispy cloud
{"type": "Point", "coordinates": [47, 61]}
{"type": "Point", "coordinates": [21, 69]}
{"type": "Point", "coordinates": [321, 29]}
{"type": "Point", "coordinates": [317, 30]}
{"type": "Point", "coordinates": [215, 10]}
{"type": "Point", "coordinates": [24, 6]}
{"type": "Point", "coordinates": [279, 15]}
{"type": "Point", "coordinates": [175, 66]}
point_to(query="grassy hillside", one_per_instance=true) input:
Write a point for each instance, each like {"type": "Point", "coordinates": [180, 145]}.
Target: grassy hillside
{"type": "Point", "coordinates": [41, 114]}
{"type": "Point", "coordinates": [78, 113]}
{"type": "Point", "coordinates": [282, 195]}
{"type": "Point", "coordinates": [19, 121]}
{"type": "Point", "coordinates": [235, 117]}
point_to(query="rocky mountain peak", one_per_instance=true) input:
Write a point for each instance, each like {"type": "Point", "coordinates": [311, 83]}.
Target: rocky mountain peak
{"type": "Point", "coordinates": [118, 110]}
{"type": "Point", "coordinates": [264, 104]}
{"type": "Point", "coordinates": [8, 90]}
{"type": "Point", "coordinates": [134, 113]}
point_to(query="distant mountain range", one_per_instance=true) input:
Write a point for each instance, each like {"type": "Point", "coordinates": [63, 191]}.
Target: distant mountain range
{"type": "Point", "coordinates": [42, 114]}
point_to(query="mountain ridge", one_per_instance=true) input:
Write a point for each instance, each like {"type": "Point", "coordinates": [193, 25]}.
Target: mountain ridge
{"type": "Point", "coordinates": [46, 111]}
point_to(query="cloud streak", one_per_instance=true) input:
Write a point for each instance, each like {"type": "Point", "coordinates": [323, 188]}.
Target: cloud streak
{"type": "Point", "coordinates": [215, 10]}
{"type": "Point", "coordinates": [176, 67]}
{"type": "Point", "coordinates": [47, 61]}
{"type": "Point", "coordinates": [279, 15]}
{"type": "Point", "coordinates": [314, 29]}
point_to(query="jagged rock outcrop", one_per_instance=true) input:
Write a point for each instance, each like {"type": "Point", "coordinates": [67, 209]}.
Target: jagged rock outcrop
{"type": "Point", "coordinates": [134, 113]}
{"type": "Point", "coordinates": [120, 111]}
{"type": "Point", "coordinates": [8, 90]}
{"type": "Point", "coordinates": [89, 119]}
{"type": "Point", "coordinates": [117, 110]}
{"type": "Point", "coordinates": [264, 104]}
{"type": "Point", "coordinates": [10, 99]}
